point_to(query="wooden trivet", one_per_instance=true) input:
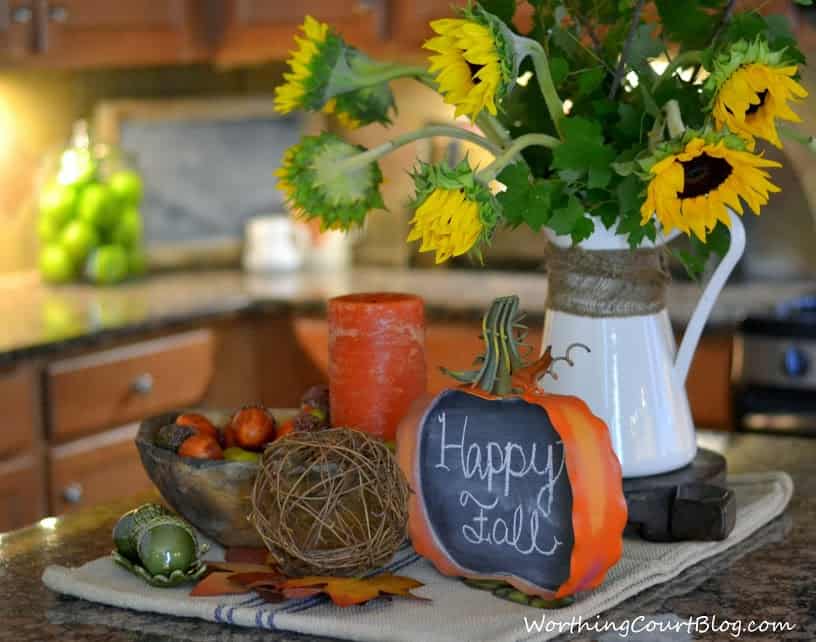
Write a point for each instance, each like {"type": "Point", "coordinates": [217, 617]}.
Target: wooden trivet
{"type": "Point", "coordinates": [692, 503]}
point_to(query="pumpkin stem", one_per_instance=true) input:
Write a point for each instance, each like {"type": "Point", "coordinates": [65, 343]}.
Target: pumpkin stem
{"type": "Point", "coordinates": [528, 377]}
{"type": "Point", "coordinates": [503, 337]}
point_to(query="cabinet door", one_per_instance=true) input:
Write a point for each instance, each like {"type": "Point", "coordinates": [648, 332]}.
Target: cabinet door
{"type": "Point", "coordinates": [19, 400]}
{"type": "Point", "coordinates": [95, 470]}
{"type": "Point", "coordinates": [86, 33]}
{"type": "Point", "coordinates": [22, 492]}
{"type": "Point", "coordinates": [17, 30]}
{"type": "Point", "coordinates": [258, 30]}
{"type": "Point", "coordinates": [111, 387]}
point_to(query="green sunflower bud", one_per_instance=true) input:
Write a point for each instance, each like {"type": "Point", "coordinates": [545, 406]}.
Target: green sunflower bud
{"type": "Point", "coordinates": [321, 180]}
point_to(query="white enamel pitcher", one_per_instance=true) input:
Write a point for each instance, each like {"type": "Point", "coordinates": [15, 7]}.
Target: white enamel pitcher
{"type": "Point", "coordinates": [632, 378]}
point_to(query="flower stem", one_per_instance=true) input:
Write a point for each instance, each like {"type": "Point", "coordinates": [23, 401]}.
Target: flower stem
{"type": "Point", "coordinates": [387, 72]}
{"type": "Point", "coordinates": [489, 124]}
{"type": "Point", "coordinates": [686, 58]}
{"type": "Point", "coordinates": [448, 131]}
{"type": "Point", "coordinates": [545, 82]}
{"type": "Point", "coordinates": [509, 155]}
{"type": "Point", "coordinates": [674, 119]}
{"type": "Point", "coordinates": [792, 134]}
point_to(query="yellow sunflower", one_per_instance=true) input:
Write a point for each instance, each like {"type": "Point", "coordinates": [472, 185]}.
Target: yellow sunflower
{"type": "Point", "coordinates": [307, 66]}
{"type": "Point", "coordinates": [447, 223]}
{"type": "Point", "coordinates": [471, 62]}
{"type": "Point", "coordinates": [454, 211]}
{"type": "Point", "coordinates": [753, 87]}
{"type": "Point", "coordinates": [693, 188]}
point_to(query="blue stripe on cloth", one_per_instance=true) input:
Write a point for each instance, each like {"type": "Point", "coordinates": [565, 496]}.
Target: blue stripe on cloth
{"type": "Point", "coordinates": [265, 617]}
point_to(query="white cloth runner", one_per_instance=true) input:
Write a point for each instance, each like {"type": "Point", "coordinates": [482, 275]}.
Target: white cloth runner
{"type": "Point", "coordinates": [456, 612]}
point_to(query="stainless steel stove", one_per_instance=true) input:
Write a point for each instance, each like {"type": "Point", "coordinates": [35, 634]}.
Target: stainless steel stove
{"type": "Point", "coordinates": [774, 370]}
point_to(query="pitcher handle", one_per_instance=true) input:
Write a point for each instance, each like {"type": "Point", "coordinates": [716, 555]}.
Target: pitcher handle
{"type": "Point", "coordinates": [712, 290]}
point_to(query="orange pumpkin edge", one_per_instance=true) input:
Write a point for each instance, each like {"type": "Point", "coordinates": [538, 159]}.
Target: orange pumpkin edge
{"type": "Point", "coordinates": [583, 574]}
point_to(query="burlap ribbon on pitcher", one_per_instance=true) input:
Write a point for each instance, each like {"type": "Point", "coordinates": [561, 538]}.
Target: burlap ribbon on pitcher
{"type": "Point", "coordinates": [607, 283]}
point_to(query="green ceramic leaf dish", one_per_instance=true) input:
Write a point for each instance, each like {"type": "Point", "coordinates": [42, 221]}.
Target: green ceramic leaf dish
{"type": "Point", "coordinates": [506, 592]}
{"type": "Point", "coordinates": [195, 572]}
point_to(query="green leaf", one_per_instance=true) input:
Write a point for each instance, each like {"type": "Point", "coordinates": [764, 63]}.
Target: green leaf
{"type": "Point", "coordinates": [502, 9]}
{"type": "Point", "coordinates": [599, 176]}
{"type": "Point", "coordinates": [686, 22]}
{"type": "Point", "coordinates": [719, 239]}
{"type": "Point", "coordinates": [526, 200]}
{"type": "Point", "coordinates": [559, 69]}
{"type": "Point", "coordinates": [583, 150]}
{"type": "Point", "coordinates": [804, 3]}
{"type": "Point", "coordinates": [644, 46]}
{"type": "Point", "coordinates": [565, 219]}
{"type": "Point", "coordinates": [629, 195]}
{"type": "Point", "coordinates": [608, 213]}
{"type": "Point", "coordinates": [589, 80]}
{"type": "Point", "coordinates": [583, 229]}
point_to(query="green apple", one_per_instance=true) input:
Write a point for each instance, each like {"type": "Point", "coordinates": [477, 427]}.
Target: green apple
{"type": "Point", "coordinates": [128, 230]}
{"type": "Point", "coordinates": [96, 206]}
{"type": "Point", "coordinates": [57, 203]}
{"type": "Point", "coordinates": [127, 187]}
{"type": "Point", "coordinates": [47, 230]}
{"type": "Point", "coordinates": [108, 264]}
{"type": "Point", "coordinates": [137, 262]}
{"type": "Point", "coordinates": [239, 454]}
{"type": "Point", "coordinates": [78, 239]}
{"type": "Point", "coordinates": [56, 265]}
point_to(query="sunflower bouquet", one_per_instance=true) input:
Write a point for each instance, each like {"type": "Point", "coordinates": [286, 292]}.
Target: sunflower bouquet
{"type": "Point", "coordinates": [642, 117]}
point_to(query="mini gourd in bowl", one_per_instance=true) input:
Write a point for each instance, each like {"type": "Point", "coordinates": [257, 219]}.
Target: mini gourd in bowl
{"type": "Point", "coordinates": [204, 462]}
{"type": "Point", "coordinates": [510, 483]}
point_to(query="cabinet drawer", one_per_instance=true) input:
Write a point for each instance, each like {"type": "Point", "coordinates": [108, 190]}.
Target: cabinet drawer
{"type": "Point", "coordinates": [102, 468]}
{"type": "Point", "coordinates": [18, 407]}
{"type": "Point", "coordinates": [22, 492]}
{"type": "Point", "coordinates": [110, 388]}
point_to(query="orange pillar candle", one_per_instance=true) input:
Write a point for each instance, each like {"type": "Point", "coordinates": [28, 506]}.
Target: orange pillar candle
{"type": "Point", "coordinates": [376, 360]}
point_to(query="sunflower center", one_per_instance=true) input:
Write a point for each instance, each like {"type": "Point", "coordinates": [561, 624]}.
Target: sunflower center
{"type": "Point", "coordinates": [474, 69]}
{"type": "Point", "coordinates": [703, 174]}
{"type": "Point", "coordinates": [752, 109]}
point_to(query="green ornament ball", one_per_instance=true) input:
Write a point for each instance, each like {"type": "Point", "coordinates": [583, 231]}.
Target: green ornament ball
{"type": "Point", "coordinates": [166, 546]}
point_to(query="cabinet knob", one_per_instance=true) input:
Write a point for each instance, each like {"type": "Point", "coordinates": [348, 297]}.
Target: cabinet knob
{"type": "Point", "coordinates": [72, 493]}
{"type": "Point", "coordinates": [143, 384]}
{"type": "Point", "coordinates": [58, 13]}
{"type": "Point", "coordinates": [364, 6]}
{"type": "Point", "coordinates": [22, 15]}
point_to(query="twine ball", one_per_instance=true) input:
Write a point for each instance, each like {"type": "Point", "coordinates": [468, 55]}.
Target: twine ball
{"type": "Point", "coordinates": [332, 502]}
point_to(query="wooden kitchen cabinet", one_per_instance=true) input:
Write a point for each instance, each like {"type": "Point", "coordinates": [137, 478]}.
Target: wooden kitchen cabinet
{"type": "Point", "coordinates": [255, 31]}
{"type": "Point", "coordinates": [97, 33]}
{"type": "Point", "coordinates": [105, 389]}
{"type": "Point", "coordinates": [22, 491]}
{"type": "Point", "coordinates": [19, 401]}
{"type": "Point", "coordinates": [102, 468]}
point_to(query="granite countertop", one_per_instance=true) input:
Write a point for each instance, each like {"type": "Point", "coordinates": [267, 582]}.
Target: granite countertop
{"type": "Point", "coordinates": [38, 319]}
{"type": "Point", "coordinates": [770, 576]}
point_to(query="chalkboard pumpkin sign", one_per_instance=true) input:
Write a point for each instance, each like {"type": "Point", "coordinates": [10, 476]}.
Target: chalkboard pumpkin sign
{"type": "Point", "coordinates": [510, 483]}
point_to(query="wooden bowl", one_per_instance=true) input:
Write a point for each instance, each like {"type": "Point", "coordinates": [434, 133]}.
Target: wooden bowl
{"type": "Point", "coordinates": [214, 496]}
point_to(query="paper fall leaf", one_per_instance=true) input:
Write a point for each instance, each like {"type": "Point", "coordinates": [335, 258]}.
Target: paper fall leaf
{"type": "Point", "coordinates": [231, 578]}
{"type": "Point", "coordinates": [345, 591]}
{"type": "Point", "coordinates": [217, 584]}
